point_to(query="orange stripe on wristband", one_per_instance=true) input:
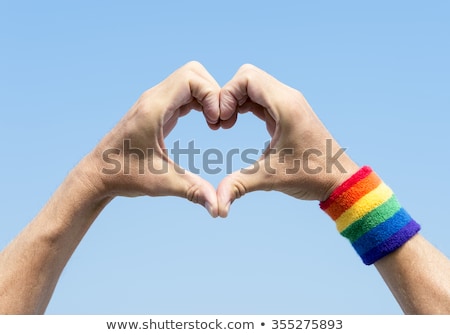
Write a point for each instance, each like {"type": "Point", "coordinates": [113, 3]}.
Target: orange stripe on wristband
{"type": "Point", "coordinates": [348, 198]}
{"type": "Point", "coordinates": [369, 216]}
{"type": "Point", "coordinates": [349, 183]}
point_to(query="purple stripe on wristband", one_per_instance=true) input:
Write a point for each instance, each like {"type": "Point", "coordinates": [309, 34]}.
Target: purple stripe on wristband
{"type": "Point", "coordinates": [382, 232]}
{"type": "Point", "coordinates": [392, 243]}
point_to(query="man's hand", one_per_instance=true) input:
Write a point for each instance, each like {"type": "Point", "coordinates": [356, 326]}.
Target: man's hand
{"type": "Point", "coordinates": [303, 160]}
{"type": "Point", "coordinates": [121, 164]}
{"type": "Point", "coordinates": [131, 160]}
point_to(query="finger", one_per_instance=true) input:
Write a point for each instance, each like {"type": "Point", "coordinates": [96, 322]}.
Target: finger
{"type": "Point", "coordinates": [251, 83]}
{"type": "Point", "coordinates": [227, 124]}
{"type": "Point", "coordinates": [228, 102]}
{"type": "Point", "coordinates": [236, 92]}
{"type": "Point", "coordinates": [194, 104]}
{"type": "Point", "coordinates": [194, 188]}
{"type": "Point", "coordinates": [205, 89]}
{"type": "Point", "coordinates": [257, 110]}
{"type": "Point", "coordinates": [190, 87]}
{"type": "Point", "coordinates": [172, 180]}
{"type": "Point", "coordinates": [202, 192]}
{"type": "Point", "coordinates": [184, 110]}
{"type": "Point", "coordinates": [239, 183]}
{"type": "Point", "coordinates": [214, 126]}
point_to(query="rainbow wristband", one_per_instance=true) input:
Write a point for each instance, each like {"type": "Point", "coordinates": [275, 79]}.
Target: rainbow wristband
{"type": "Point", "coordinates": [367, 212]}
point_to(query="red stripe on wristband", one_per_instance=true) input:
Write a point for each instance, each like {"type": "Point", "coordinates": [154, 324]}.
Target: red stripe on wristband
{"type": "Point", "coordinates": [361, 174]}
{"type": "Point", "coordinates": [348, 198]}
{"type": "Point", "coordinates": [369, 215]}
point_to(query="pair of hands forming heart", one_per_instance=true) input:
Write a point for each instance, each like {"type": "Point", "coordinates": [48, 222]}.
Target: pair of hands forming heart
{"type": "Point", "coordinates": [303, 160]}
{"type": "Point", "coordinates": [299, 156]}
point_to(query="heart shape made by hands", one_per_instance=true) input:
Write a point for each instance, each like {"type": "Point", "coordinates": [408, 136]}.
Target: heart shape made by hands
{"type": "Point", "coordinates": [302, 160]}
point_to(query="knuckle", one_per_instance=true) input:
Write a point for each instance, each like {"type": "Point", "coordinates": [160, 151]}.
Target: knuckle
{"type": "Point", "coordinates": [247, 67]}
{"type": "Point", "coordinates": [248, 71]}
{"type": "Point", "coordinates": [193, 193]}
{"type": "Point", "coordinates": [194, 66]}
{"type": "Point", "coordinates": [251, 74]}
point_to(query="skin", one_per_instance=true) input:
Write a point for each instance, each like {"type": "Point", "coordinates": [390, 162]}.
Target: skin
{"type": "Point", "coordinates": [30, 266]}
{"type": "Point", "coordinates": [417, 274]}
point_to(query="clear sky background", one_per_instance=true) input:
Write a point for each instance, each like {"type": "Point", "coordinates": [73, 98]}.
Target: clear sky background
{"type": "Point", "coordinates": [377, 74]}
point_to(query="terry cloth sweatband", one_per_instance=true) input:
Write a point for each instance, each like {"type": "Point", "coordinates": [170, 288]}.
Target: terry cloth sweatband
{"type": "Point", "coordinates": [367, 212]}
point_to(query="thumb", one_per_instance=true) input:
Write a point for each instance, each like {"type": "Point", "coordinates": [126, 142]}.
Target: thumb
{"type": "Point", "coordinates": [241, 182]}
{"type": "Point", "coordinates": [199, 191]}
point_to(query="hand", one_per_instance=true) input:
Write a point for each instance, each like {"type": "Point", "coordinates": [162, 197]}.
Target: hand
{"type": "Point", "coordinates": [131, 160]}
{"type": "Point", "coordinates": [303, 160]}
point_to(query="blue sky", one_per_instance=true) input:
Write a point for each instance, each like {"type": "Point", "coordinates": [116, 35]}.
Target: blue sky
{"type": "Point", "coordinates": [376, 73]}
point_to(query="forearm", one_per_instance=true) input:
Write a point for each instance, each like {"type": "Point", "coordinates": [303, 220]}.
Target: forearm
{"type": "Point", "coordinates": [32, 263]}
{"type": "Point", "coordinates": [418, 275]}
{"type": "Point", "coordinates": [368, 214]}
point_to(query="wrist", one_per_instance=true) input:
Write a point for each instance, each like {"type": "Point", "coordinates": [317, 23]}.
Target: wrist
{"type": "Point", "coordinates": [87, 177]}
{"type": "Point", "coordinates": [339, 176]}
{"type": "Point", "coordinates": [368, 214]}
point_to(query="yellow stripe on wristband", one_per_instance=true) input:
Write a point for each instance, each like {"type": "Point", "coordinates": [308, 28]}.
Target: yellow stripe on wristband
{"type": "Point", "coordinates": [369, 215]}
{"type": "Point", "coordinates": [363, 206]}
